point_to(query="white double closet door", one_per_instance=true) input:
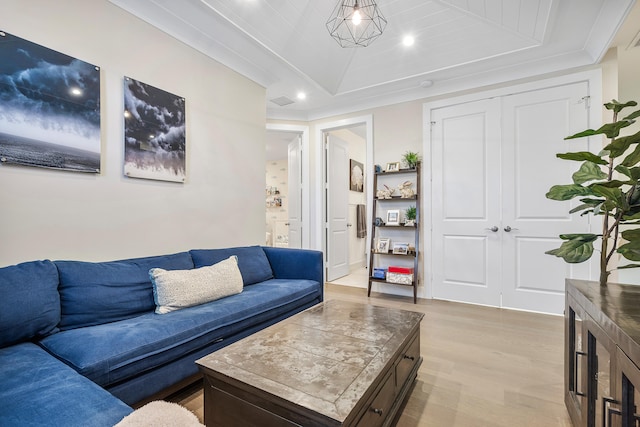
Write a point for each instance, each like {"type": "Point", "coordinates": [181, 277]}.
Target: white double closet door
{"type": "Point", "coordinates": [493, 160]}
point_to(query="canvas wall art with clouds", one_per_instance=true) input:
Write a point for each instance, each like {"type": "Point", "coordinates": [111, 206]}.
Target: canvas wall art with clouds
{"type": "Point", "coordinates": [49, 107]}
{"type": "Point", "coordinates": [154, 123]}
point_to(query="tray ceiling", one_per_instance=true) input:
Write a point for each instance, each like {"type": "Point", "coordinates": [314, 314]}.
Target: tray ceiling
{"type": "Point", "coordinates": [459, 44]}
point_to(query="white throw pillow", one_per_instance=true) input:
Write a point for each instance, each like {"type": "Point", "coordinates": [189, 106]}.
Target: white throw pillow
{"type": "Point", "coordinates": [176, 289]}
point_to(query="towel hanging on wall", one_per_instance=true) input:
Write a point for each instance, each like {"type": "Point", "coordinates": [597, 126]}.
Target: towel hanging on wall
{"type": "Point", "coordinates": [361, 221]}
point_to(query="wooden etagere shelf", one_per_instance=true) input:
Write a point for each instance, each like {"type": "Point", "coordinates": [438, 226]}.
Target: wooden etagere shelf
{"type": "Point", "coordinates": [381, 259]}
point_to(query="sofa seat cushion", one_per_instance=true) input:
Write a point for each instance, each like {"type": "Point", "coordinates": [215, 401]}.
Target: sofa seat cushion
{"type": "Point", "coordinates": [36, 389]}
{"type": "Point", "coordinates": [114, 352]}
{"type": "Point", "coordinates": [29, 302]}
{"type": "Point", "coordinates": [93, 293]}
{"type": "Point", "coordinates": [252, 261]}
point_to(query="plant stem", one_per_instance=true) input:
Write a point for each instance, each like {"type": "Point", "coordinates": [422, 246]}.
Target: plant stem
{"type": "Point", "coordinates": [606, 232]}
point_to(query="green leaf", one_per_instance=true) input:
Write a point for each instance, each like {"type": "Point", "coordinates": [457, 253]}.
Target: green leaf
{"type": "Point", "coordinates": [635, 173]}
{"type": "Point", "coordinates": [619, 146]}
{"type": "Point", "coordinates": [581, 208]}
{"type": "Point", "coordinates": [623, 170]}
{"type": "Point", "coordinates": [617, 106]}
{"type": "Point", "coordinates": [567, 192]}
{"type": "Point", "coordinates": [585, 237]}
{"type": "Point", "coordinates": [574, 251]}
{"type": "Point", "coordinates": [589, 171]}
{"type": "Point", "coordinates": [633, 158]}
{"type": "Point", "coordinates": [632, 115]}
{"type": "Point", "coordinates": [633, 217]}
{"type": "Point", "coordinates": [614, 183]}
{"type": "Point", "coordinates": [607, 192]}
{"type": "Point", "coordinates": [611, 130]}
{"type": "Point", "coordinates": [634, 200]}
{"type": "Point", "coordinates": [613, 195]}
{"type": "Point", "coordinates": [631, 250]}
{"type": "Point", "coordinates": [628, 266]}
{"type": "Point", "coordinates": [582, 156]}
{"type": "Point", "coordinates": [631, 235]}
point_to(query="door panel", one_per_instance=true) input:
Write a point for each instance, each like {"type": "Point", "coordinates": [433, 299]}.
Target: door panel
{"type": "Point", "coordinates": [534, 127]}
{"type": "Point", "coordinates": [337, 208]}
{"type": "Point", "coordinates": [465, 204]}
{"type": "Point", "coordinates": [458, 248]}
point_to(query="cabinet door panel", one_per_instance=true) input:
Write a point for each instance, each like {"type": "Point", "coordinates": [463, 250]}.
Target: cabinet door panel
{"type": "Point", "coordinates": [600, 353]}
{"type": "Point", "coordinates": [575, 361]}
{"type": "Point", "coordinates": [625, 411]}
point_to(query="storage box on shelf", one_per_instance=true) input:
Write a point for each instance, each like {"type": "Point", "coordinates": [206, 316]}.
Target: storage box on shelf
{"type": "Point", "coordinates": [388, 251]}
{"type": "Point", "coordinates": [400, 275]}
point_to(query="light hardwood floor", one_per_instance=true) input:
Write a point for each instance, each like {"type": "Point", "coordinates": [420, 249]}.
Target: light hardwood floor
{"type": "Point", "coordinates": [482, 366]}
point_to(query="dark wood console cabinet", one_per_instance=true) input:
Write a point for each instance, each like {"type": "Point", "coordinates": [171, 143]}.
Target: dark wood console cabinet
{"type": "Point", "coordinates": [602, 354]}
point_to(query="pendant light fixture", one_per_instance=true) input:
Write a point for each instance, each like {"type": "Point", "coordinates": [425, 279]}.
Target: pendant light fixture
{"type": "Point", "coordinates": [356, 23]}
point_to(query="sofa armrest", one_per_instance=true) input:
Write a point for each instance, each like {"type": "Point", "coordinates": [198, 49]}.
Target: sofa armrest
{"type": "Point", "coordinates": [288, 263]}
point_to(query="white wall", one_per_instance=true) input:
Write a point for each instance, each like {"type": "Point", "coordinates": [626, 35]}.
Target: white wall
{"type": "Point", "coordinates": [66, 215]}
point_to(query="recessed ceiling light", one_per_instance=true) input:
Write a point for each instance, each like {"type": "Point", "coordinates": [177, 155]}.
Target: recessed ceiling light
{"type": "Point", "coordinates": [301, 95]}
{"type": "Point", "coordinates": [75, 91]}
{"type": "Point", "coordinates": [408, 40]}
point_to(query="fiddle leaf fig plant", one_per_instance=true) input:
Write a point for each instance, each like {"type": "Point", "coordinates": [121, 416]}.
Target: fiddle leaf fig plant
{"type": "Point", "coordinates": [608, 186]}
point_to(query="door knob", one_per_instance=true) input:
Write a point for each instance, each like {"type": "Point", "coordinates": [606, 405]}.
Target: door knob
{"type": "Point", "coordinates": [349, 225]}
{"type": "Point", "coordinates": [508, 229]}
{"type": "Point", "coordinates": [494, 229]}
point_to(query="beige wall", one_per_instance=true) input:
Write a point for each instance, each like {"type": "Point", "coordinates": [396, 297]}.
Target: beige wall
{"type": "Point", "coordinates": [66, 215]}
{"type": "Point", "coordinates": [628, 85]}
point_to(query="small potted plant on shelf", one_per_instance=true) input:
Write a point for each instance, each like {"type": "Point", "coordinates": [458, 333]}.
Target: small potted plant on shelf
{"type": "Point", "coordinates": [410, 216]}
{"type": "Point", "coordinates": [411, 159]}
{"type": "Point", "coordinates": [614, 197]}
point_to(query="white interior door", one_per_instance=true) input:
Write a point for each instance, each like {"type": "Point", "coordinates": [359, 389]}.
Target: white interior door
{"type": "Point", "coordinates": [534, 126]}
{"type": "Point", "coordinates": [466, 205]}
{"type": "Point", "coordinates": [493, 162]}
{"type": "Point", "coordinates": [295, 193]}
{"type": "Point", "coordinates": [337, 202]}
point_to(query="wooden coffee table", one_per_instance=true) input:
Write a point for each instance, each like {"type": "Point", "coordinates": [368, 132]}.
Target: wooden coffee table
{"type": "Point", "coordinates": [336, 364]}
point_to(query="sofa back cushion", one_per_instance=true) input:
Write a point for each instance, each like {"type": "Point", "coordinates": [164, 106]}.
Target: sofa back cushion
{"type": "Point", "coordinates": [252, 261]}
{"type": "Point", "coordinates": [94, 293]}
{"type": "Point", "coordinates": [29, 301]}
{"type": "Point", "coordinates": [178, 289]}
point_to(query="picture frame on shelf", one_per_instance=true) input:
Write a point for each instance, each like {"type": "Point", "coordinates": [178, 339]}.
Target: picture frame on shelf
{"type": "Point", "coordinates": [400, 248]}
{"type": "Point", "coordinates": [393, 167]}
{"type": "Point", "coordinates": [393, 217]}
{"type": "Point", "coordinates": [382, 245]}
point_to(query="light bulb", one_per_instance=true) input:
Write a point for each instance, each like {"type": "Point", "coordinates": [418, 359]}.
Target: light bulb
{"type": "Point", "coordinates": [356, 18]}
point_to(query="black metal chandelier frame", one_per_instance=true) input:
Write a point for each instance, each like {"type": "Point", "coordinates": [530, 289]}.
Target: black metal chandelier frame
{"type": "Point", "coordinates": [356, 23]}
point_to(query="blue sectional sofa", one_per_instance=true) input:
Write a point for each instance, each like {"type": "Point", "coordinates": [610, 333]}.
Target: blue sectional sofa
{"type": "Point", "coordinates": [80, 341]}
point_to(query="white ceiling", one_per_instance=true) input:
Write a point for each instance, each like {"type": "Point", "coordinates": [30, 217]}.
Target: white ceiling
{"type": "Point", "coordinates": [459, 44]}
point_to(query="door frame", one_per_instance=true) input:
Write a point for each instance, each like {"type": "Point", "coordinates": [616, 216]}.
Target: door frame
{"type": "Point", "coordinates": [593, 79]}
{"type": "Point", "coordinates": [306, 176]}
{"type": "Point", "coordinates": [320, 165]}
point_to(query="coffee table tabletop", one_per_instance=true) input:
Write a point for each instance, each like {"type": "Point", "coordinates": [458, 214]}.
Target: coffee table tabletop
{"type": "Point", "coordinates": [324, 359]}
